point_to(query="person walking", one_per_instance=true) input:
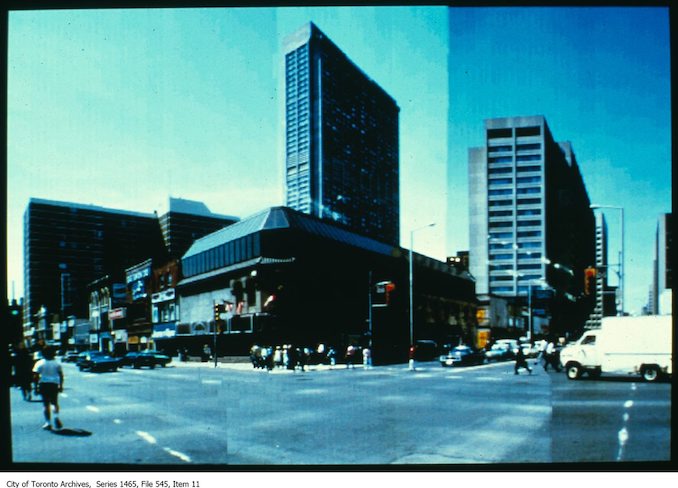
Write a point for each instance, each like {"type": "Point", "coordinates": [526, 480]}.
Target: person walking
{"type": "Point", "coordinates": [23, 370]}
{"type": "Point", "coordinates": [50, 377]}
{"type": "Point", "coordinates": [521, 362]}
{"type": "Point", "coordinates": [367, 358]}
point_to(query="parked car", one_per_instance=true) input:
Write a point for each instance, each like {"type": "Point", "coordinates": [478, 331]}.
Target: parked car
{"type": "Point", "coordinates": [97, 361]}
{"type": "Point", "coordinates": [148, 359]}
{"type": "Point", "coordinates": [462, 356]}
{"type": "Point", "coordinates": [70, 357]}
{"type": "Point", "coordinates": [499, 352]}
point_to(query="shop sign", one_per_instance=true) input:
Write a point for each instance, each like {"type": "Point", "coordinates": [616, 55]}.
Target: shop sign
{"type": "Point", "coordinates": [164, 331]}
{"type": "Point", "coordinates": [117, 313]}
{"type": "Point", "coordinates": [133, 340]}
{"type": "Point", "coordinates": [163, 296]}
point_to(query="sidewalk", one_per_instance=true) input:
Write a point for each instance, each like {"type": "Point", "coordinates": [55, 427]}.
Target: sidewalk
{"type": "Point", "coordinates": [244, 364]}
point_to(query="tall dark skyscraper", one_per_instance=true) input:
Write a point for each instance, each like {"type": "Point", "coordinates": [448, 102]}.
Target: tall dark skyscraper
{"type": "Point", "coordinates": [342, 151]}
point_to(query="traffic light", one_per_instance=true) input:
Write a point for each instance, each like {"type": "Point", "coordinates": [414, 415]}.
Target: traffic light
{"type": "Point", "coordinates": [218, 310]}
{"type": "Point", "coordinates": [589, 277]}
{"type": "Point", "coordinates": [388, 289]}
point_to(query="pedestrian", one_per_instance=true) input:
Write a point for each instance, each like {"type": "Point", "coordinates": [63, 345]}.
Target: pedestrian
{"type": "Point", "coordinates": [350, 356]}
{"type": "Point", "coordinates": [367, 358]}
{"type": "Point", "coordinates": [50, 377]}
{"type": "Point", "coordinates": [23, 371]}
{"type": "Point", "coordinates": [410, 355]}
{"type": "Point", "coordinates": [332, 356]}
{"type": "Point", "coordinates": [521, 362]}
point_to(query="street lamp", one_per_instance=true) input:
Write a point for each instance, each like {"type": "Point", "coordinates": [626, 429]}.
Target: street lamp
{"type": "Point", "coordinates": [621, 260]}
{"type": "Point", "coordinates": [411, 301]}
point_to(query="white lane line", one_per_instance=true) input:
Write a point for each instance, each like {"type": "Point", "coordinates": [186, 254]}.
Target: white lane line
{"type": "Point", "coordinates": [117, 421]}
{"type": "Point", "coordinates": [178, 454]}
{"type": "Point", "coordinates": [628, 404]}
{"type": "Point", "coordinates": [63, 395]}
{"type": "Point", "coordinates": [626, 417]}
{"type": "Point", "coordinates": [92, 408]}
{"type": "Point", "coordinates": [211, 382]}
{"type": "Point", "coordinates": [623, 436]}
{"type": "Point", "coordinates": [147, 437]}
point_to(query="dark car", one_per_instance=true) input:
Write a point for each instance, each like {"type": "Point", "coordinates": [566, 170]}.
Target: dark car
{"type": "Point", "coordinates": [462, 356]}
{"type": "Point", "coordinates": [148, 359]}
{"type": "Point", "coordinates": [97, 361]}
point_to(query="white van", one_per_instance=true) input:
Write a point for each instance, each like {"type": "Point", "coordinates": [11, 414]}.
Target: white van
{"type": "Point", "coordinates": [623, 345]}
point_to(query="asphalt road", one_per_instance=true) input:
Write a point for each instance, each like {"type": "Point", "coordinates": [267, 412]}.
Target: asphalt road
{"type": "Point", "coordinates": [195, 414]}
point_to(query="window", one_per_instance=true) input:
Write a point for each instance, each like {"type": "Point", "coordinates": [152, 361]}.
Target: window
{"type": "Point", "coordinates": [495, 171]}
{"type": "Point", "coordinates": [529, 157]}
{"type": "Point", "coordinates": [501, 288]}
{"type": "Point", "coordinates": [529, 255]}
{"type": "Point", "coordinates": [499, 148]}
{"type": "Point", "coordinates": [501, 213]}
{"type": "Point", "coordinates": [529, 201]}
{"type": "Point", "coordinates": [528, 147]}
{"type": "Point", "coordinates": [501, 224]}
{"type": "Point", "coordinates": [501, 159]}
{"type": "Point", "coordinates": [529, 266]}
{"type": "Point", "coordinates": [501, 256]}
{"type": "Point", "coordinates": [527, 169]}
{"type": "Point", "coordinates": [530, 211]}
{"type": "Point", "coordinates": [501, 181]}
{"type": "Point", "coordinates": [503, 245]}
{"type": "Point", "coordinates": [499, 133]}
{"type": "Point", "coordinates": [529, 179]}
{"type": "Point", "coordinates": [529, 245]}
{"type": "Point", "coordinates": [590, 340]}
{"type": "Point", "coordinates": [508, 191]}
{"type": "Point", "coordinates": [527, 191]}
{"type": "Point", "coordinates": [502, 278]}
{"type": "Point", "coordinates": [501, 235]}
{"type": "Point", "coordinates": [528, 131]}
{"type": "Point", "coordinates": [530, 233]}
{"type": "Point", "coordinates": [529, 223]}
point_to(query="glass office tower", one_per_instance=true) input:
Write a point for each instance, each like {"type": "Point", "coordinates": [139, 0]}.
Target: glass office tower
{"type": "Point", "coordinates": [342, 151]}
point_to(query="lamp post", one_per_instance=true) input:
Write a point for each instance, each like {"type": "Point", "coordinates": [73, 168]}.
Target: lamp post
{"type": "Point", "coordinates": [411, 300]}
{"type": "Point", "coordinates": [621, 259]}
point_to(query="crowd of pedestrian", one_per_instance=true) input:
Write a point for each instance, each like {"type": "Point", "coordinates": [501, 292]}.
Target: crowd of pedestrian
{"type": "Point", "coordinates": [292, 357]}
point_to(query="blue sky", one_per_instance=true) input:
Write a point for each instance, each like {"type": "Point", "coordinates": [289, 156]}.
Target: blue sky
{"type": "Point", "coordinates": [122, 108]}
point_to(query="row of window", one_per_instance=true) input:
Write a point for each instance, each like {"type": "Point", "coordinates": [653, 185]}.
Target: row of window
{"type": "Point", "coordinates": [521, 201]}
{"type": "Point", "coordinates": [236, 251]}
{"type": "Point", "coordinates": [519, 147]}
{"type": "Point", "coordinates": [520, 223]}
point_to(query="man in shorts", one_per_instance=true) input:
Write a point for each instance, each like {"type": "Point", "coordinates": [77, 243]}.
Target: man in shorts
{"type": "Point", "coordinates": [50, 378]}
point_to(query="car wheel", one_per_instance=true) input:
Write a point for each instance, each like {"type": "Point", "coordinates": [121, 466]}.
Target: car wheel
{"type": "Point", "coordinates": [573, 371]}
{"type": "Point", "coordinates": [650, 373]}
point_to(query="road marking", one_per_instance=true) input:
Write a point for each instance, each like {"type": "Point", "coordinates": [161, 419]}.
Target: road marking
{"type": "Point", "coordinates": [489, 378]}
{"type": "Point", "coordinates": [147, 437]}
{"type": "Point", "coordinates": [628, 404]}
{"type": "Point", "coordinates": [633, 386]}
{"type": "Point", "coordinates": [211, 382]}
{"type": "Point", "coordinates": [92, 408]}
{"type": "Point", "coordinates": [64, 395]}
{"type": "Point", "coordinates": [178, 454]}
{"type": "Point", "coordinates": [312, 391]}
{"type": "Point", "coordinates": [626, 417]}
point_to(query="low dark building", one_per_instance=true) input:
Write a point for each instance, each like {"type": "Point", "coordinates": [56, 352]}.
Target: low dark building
{"type": "Point", "coordinates": [282, 277]}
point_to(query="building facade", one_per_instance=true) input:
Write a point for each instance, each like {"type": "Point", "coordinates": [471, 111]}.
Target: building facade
{"type": "Point", "coordinates": [67, 246]}
{"type": "Point", "coordinates": [286, 277]}
{"type": "Point", "coordinates": [342, 142]}
{"type": "Point", "coordinates": [531, 226]}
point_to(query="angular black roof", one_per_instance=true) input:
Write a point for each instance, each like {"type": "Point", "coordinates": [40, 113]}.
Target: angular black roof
{"type": "Point", "coordinates": [287, 218]}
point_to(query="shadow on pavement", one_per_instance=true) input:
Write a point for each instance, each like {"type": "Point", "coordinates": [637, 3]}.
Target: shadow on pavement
{"type": "Point", "coordinates": [72, 432]}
